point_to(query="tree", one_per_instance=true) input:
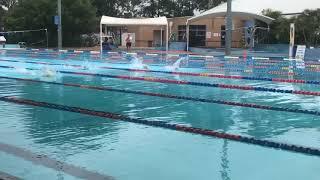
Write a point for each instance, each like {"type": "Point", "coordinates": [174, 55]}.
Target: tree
{"type": "Point", "coordinates": [8, 3]}
{"type": "Point", "coordinates": [157, 8]}
{"type": "Point", "coordinates": [308, 27]}
{"type": "Point", "coordinates": [279, 28]}
{"type": "Point", "coordinates": [175, 8]}
{"type": "Point", "coordinates": [2, 15]}
{"type": "Point", "coordinates": [116, 8]}
{"type": "Point", "coordinates": [106, 7]}
{"type": "Point", "coordinates": [78, 16]}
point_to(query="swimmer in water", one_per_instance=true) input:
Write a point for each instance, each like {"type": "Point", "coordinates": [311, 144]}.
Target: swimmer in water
{"type": "Point", "coordinates": [48, 72]}
{"type": "Point", "coordinates": [145, 67]}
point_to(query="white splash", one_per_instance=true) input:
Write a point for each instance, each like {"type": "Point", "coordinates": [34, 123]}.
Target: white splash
{"type": "Point", "coordinates": [47, 72]}
{"type": "Point", "coordinates": [22, 70]}
{"type": "Point", "coordinates": [88, 65]}
{"type": "Point", "coordinates": [175, 66]}
{"type": "Point", "coordinates": [137, 63]}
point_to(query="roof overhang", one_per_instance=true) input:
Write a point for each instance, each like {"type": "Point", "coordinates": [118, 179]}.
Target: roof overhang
{"type": "Point", "coordinates": [242, 15]}
{"type": "Point", "coordinates": [253, 9]}
{"type": "Point", "coordinates": [113, 21]}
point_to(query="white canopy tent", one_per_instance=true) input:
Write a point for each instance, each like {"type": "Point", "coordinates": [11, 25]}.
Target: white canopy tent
{"type": "Point", "coordinates": [2, 39]}
{"type": "Point", "coordinates": [252, 9]}
{"type": "Point", "coordinates": [113, 21]}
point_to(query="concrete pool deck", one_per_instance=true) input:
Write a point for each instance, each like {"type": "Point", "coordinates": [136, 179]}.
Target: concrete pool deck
{"type": "Point", "coordinates": [5, 176]}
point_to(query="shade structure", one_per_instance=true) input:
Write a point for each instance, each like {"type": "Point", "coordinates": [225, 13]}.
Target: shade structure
{"type": "Point", "coordinates": [253, 8]}
{"type": "Point", "coordinates": [2, 39]}
{"type": "Point", "coordinates": [114, 21]}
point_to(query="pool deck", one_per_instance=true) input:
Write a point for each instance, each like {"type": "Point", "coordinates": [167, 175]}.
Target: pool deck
{"type": "Point", "coordinates": [193, 51]}
{"type": "Point", "coordinates": [5, 176]}
{"type": "Point", "coordinates": [44, 160]}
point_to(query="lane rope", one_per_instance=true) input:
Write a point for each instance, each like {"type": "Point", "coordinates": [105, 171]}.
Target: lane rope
{"type": "Point", "coordinates": [169, 96]}
{"type": "Point", "coordinates": [170, 81]}
{"type": "Point", "coordinates": [166, 125]}
{"type": "Point", "coordinates": [48, 162]}
{"type": "Point", "coordinates": [184, 73]}
{"type": "Point", "coordinates": [220, 76]}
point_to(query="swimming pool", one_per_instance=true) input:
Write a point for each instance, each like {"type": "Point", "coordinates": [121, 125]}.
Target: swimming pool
{"type": "Point", "coordinates": [11, 46]}
{"type": "Point", "coordinates": [248, 98]}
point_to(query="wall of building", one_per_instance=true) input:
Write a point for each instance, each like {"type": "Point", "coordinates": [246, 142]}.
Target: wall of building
{"type": "Point", "coordinates": [213, 26]}
{"type": "Point", "coordinates": [145, 34]}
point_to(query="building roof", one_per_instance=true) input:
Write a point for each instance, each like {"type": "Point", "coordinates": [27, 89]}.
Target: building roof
{"type": "Point", "coordinates": [253, 8]}
{"type": "Point", "coordinates": [113, 21]}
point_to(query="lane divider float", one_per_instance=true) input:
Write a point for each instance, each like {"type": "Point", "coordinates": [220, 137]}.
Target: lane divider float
{"type": "Point", "coordinates": [182, 73]}
{"type": "Point", "coordinates": [170, 96]}
{"type": "Point", "coordinates": [170, 81]}
{"type": "Point", "coordinates": [167, 125]}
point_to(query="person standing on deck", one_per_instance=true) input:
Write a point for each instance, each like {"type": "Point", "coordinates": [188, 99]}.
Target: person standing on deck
{"type": "Point", "coordinates": [128, 42]}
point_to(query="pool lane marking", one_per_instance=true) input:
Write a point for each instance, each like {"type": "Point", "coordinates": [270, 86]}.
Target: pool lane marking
{"type": "Point", "coordinates": [190, 83]}
{"type": "Point", "coordinates": [6, 176]}
{"type": "Point", "coordinates": [220, 76]}
{"type": "Point", "coordinates": [51, 163]}
{"type": "Point", "coordinates": [182, 73]}
{"type": "Point", "coordinates": [260, 60]}
{"type": "Point", "coordinates": [170, 96]}
{"type": "Point", "coordinates": [166, 125]}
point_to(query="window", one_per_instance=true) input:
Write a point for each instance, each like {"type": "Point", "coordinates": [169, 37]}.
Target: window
{"type": "Point", "coordinates": [198, 35]}
{"type": "Point", "coordinates": [182, 33]}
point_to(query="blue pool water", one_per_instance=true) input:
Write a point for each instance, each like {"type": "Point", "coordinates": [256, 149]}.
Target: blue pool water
{"type": "Point", "coordinates": [125, 150]}
{"type": "Point", "coordinates": [10, 46]}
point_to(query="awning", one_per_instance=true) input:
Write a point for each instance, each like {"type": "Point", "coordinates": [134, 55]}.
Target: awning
{"type": "Point", "coordinates": [253, 8]}
{"type": "Point", "coordinates": [113, 21]}
{"type": "Point", "coordinates": [2, 39]}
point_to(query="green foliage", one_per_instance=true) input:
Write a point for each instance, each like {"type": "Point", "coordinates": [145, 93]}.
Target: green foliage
{"type": "Point", "coordinates": [2, 16]}
{"type": "Point", "coordinates": [152, 8]}
{"type": "Point", "coordinates": [279, 28]}
{"type": "Point", "coordinates": [82, 16]}
{"type": "Point", "coordinates": [78, 17]}
{"type": "Point", "coordinates": [8, 3]}
{"type": "Point", "coordinates": [117, 8]}
{"type": "Point", "coordinates": [307, 27]}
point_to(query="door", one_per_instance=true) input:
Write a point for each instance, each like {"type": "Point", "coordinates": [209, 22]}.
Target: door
{"type": "Point", "coordinates": [223, 36]}
{"type": "Point", "coordinates": [157, 41]}
{"type": "Point", "coordinates": [197, 35]}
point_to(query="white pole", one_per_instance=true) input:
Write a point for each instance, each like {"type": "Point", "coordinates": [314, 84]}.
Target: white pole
{"type": "Point", "coordinates": [292, 35]}
{"type": "Point", "coordinates": [47, 38]}
{"type": "Point", "coordinates": [228, 28]}
{"type": "Point", "coordinates": [59, 26]}
{"type": "Point", "coordinates": [167, 39]}
{"type": "Point", "coordinates": [161, 43]}
{"type": "Point", "coordinates": [187, 34]}
{"type": "Point", "coordinates": [101, 40]}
